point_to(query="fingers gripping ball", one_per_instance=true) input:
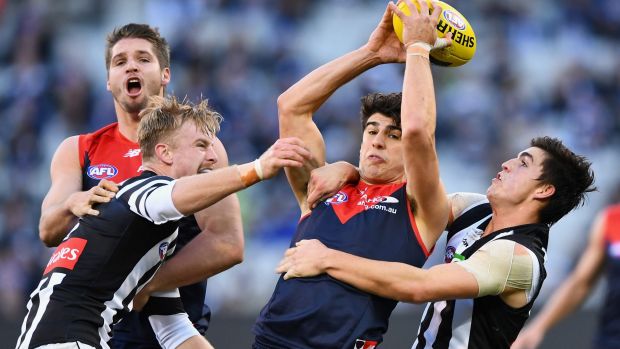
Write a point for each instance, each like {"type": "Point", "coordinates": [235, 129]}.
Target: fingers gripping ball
{"type": "Point", "coordinates": [463, 37]}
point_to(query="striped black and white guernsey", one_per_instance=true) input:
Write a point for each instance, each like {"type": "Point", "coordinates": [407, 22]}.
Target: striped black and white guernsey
{"type": "Point", "coordinates": [95, 272]}
{"type": "Point", "coordinates": [484, 322]}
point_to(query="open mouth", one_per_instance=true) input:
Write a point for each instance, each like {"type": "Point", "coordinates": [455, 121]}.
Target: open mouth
{"type": "Point", "coordinates": [205, 170]}
{"type": "Point", "coordinates": [134, 86]}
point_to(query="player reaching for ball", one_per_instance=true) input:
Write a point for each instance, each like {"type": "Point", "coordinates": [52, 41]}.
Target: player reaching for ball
{"type": "Point", "coordinates": [394, 213]}
{"type": "Point", "coordinates": [496, 244]}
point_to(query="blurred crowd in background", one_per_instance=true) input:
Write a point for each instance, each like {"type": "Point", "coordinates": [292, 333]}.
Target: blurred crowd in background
{"type": "Point", "coordinates": [548, 67]}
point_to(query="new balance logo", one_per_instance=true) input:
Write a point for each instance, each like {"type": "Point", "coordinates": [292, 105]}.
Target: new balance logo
{"type": "Point", "coordinates": [132, 153]}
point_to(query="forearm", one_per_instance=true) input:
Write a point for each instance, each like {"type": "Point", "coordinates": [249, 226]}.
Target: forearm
{"type": "Point", "coordinates": [194, 193]}
{"type": "Point", "coordinates": [386, 279]}
{"type": "Point", "coordinates": [565, 300]}
{"type": "Point", "coordinates": [54, 224]}
{"type": "Point", "coordinates": [307, 95]}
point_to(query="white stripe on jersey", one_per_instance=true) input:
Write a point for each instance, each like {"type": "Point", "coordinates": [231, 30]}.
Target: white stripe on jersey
{"type": "Point", "coordinates": [148, 261]}
{"type": "Point", "coordinates": [461, 323]}
{"type": "Point", "coordinates": [153, 201]}
{"type": "Point", "coordinates": [44, 299]}
{"type": "Point", "coordinates": [130, 186]}
{"type": "Point", "coordinates": [431, 333]}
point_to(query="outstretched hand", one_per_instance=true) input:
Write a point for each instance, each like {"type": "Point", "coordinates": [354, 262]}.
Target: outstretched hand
{"type": "Point", "coordinates": [303, 260]}
{"type": "Point", "coordinates": [285, 152]}
{"type": "Point", "coordinates": [81, 203]}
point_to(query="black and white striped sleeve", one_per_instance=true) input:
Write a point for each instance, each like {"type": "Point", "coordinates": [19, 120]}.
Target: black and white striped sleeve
{"type": "Point", "coordinates": [151, 198]}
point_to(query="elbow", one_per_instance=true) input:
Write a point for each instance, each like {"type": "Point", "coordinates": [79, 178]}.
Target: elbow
{"type": "Point", "coordinates": [46, 236]}
{"type": "Point", "coordinates": [284, 104]}
{"type": "Point", "coordinates": [234, 255]}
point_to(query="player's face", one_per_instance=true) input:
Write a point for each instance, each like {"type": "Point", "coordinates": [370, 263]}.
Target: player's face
{"type": "Point", "coordinates": [518, 181]}
{"type": "Point", "coordinates": [192, 151]}
{"type": "Point", "coordinates": [381, 151]}
{"type": "Point", "coordinates": [134, 74]}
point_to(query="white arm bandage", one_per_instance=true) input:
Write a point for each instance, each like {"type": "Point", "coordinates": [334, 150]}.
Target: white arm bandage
{"type": "Point", "coordinates": [495, 266]}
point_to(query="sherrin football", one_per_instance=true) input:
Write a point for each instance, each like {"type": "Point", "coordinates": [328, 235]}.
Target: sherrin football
{"type": "Point", "coordinates": [463, 37]}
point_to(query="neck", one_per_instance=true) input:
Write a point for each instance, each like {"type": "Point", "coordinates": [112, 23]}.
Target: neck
{"type": "Point", "coordinates": [127, 123]}
{"type": "Point", "coordinates": [506, 217]}
{"type": "Point", "coordinates": [159, 168]}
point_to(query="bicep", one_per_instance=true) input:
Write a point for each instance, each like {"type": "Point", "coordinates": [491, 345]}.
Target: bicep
{"type": "Point", "coordinates": [425, 189]}
{"type": "Point", "coordinates": [65, 173]}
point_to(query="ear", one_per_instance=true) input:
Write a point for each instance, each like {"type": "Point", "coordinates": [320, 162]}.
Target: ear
{"type": "Point", "coordinates": [544, 191]}
{"type": "Point", "coordinates": [165, 76]}
{"type": "Point", "coordinates": [163, 152]}
{"type": "Point", "coordinates": [107, 85]}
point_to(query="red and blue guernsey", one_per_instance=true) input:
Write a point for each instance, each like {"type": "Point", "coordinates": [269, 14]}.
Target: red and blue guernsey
{"type": "Point", "coordinates": [608, 335]}
{"type": "Point", "coordinates": [107, 154]}
{"type": "Point", "coordinates": [371, 221]}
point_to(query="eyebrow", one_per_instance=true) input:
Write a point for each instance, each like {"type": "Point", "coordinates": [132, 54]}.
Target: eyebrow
{"type": "Point", "coordinates": [525, 154]}
{"type": "Point", "coordinates": [124, 54]}
{"type": "Point", "coordinates": [389, 127]}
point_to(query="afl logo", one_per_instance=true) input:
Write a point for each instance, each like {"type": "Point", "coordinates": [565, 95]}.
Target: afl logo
{"type": "Point", "coordinates": [101, 171]}
{"type": "Point", "coordinates": [454, 19]}
{"type": "Point", "coordinates": [163, 248]}
{"type": "Point", "coordinates": [337, 199]}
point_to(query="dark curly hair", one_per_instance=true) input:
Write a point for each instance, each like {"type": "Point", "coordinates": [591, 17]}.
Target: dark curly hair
{"type": "Point", "coordinates": [569, 173]}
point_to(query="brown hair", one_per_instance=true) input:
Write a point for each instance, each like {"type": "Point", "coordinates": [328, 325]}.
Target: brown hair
{"type": "Point", "coordinates": [163, 116]}
{"type": "Point", "coordinates": [139, 31]}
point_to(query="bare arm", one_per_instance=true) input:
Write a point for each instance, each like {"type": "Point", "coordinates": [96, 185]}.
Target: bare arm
{"type": "Point", "coordinates": [65, 201]}
{"type": "Point", "coordinates": [418, 118]}
{"type": "Point", "coordinates": [572, 292]}
{"type": "Point", "coordinates": [386, 279]}
{"type": "Point", "coordinates": [195, 193]}
{"type": "Point", "coordinates": [460, 202]}
{"type": "Point", "coordinates": [218, 247]}
{"type": "Point", "coordinates": [297, 105]}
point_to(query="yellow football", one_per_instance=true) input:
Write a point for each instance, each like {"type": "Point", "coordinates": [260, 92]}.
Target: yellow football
{"type": "Point", "coordinates": [463, 37]}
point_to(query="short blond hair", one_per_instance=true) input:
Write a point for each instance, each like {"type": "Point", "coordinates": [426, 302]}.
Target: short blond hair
{"type": "Point", "coordinates": [164, 115]}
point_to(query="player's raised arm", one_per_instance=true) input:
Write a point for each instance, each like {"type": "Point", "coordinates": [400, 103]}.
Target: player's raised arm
{"type": "Point", "coordinates": [418, 119]}
{"type": "Point", "coordinates": [297, 105]}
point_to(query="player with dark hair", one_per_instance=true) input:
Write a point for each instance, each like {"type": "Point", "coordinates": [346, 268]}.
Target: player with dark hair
{"type": "Point", "coordinates": [496, 244]}
{"type": "Point", "coordinates": [391, 214]}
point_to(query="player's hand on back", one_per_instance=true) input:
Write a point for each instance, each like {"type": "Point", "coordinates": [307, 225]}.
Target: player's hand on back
{"type": "Point", "coordinates": [326, 181]}
{"type": "Point", "coordinates": [285, 152]}
{"type": "Point", "coordinates": [81, 203]}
